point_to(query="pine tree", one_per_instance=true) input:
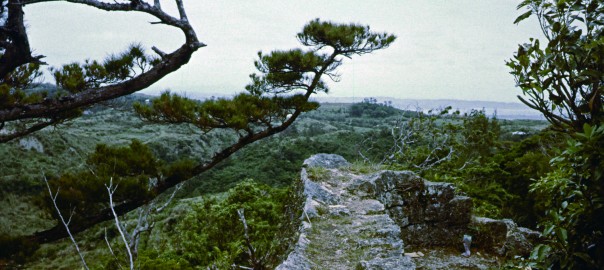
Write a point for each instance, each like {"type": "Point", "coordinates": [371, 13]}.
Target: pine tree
{"type": "Point", "coordinates": [79, 84]}
{"type": "Point", "coordinates": [276, 96]}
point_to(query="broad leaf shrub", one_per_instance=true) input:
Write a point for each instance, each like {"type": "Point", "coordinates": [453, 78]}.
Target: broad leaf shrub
{"type": "Point", "coordinates": [573, 195]}
{"type": "Point", "coordinates": [212, 235]}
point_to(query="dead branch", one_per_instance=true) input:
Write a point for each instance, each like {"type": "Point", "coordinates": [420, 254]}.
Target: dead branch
{"type": "Point", "coordinates": [53, 198]}
{"type": "Point", "coordinates": [110, 190]}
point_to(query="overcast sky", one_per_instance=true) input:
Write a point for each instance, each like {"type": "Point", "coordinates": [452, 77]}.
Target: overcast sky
{"type": "Point", "coordinates": [446, 49]}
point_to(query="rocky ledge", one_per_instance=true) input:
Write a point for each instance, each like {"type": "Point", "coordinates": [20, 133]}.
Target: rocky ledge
{"type": "Point", "coordinates": [365, 221]}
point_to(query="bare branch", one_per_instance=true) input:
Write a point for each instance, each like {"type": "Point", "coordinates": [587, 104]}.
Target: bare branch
{"type": "Point", "coordinates": [177, 188]}
{"type": "Point", "coordinates": [110, 190]}
{"type": "Point", "coordinates": [27, 131]}
{"type": "Point", "coordinates": [251, 251]}
{"type": "Point", "coordinates": [159, 52]}
{"type": "Point", "coordinates": [111, 249]}
{"type": "Point", "coordinates": [65, 224]}
{"type": "Point", "coordinates": [181, 11]}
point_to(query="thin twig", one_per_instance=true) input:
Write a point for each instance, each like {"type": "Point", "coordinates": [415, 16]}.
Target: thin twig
{"type": "Point", "coordinates": [66, 224]}
{"type": "Point", "coordinates": [111, 249]}
{"type": "Point", "coordinates": [110, 190]}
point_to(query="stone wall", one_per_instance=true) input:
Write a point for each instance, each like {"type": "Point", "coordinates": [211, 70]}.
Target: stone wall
{"type": "Point", "coordinates": [429, 215]}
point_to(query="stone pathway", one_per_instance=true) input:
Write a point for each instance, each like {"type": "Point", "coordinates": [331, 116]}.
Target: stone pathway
{"type": "Point", "coordinates": [353, 233]}
{"type": "Point", "coordinates": [345, 231]}
{"type": "Point", "coordinates": [347, 226]}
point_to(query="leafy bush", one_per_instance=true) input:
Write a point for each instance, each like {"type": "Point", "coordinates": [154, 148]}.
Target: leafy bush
{"type": "Point", "coordinates": [468, 151]}
{"type": "Point", "coordinates": [372, 110]}
{"type": "Point", "coordinates": [574, 198]}
{"type": "Point", "coordinates": [212, 234]}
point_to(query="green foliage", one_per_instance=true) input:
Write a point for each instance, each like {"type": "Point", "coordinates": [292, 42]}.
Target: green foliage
{"type": "Point", "coordinates": [372, 110]}
{"type": "Point", "coordinates": [480, 136]}
{"type": "Point", "coordinates": [24, 76]}
{"type": "Point", "coordinates": [17, 249]}
{"type": "Point", "coordinates": [288, 70]}
{"type": "Point", "coordinates": [84, 192]}
{"type": "Point", "coordinates": [212, 233]}
{"type": "Point", "coordinates": [13, 87]}
{"type": "Point", "coordinates": [525, 161]}
{"type": "Point", "coordinates": [136, 159]}
{"type": "Point", "coordinates": [154, 260]}
{"type": "Point", "coordinates": [564, 81]}
{"type": "Point", "coordinates": [134, 169]}
{"type": "Point", "coordinates": [574, 197]}
{"type": "Point", "coordinates": [281, 72]}
{"type": "Point", "coordinates": [422, 142]}
{"type": "Point", "coordinates": [468, 151]}
{"type": "Point", "coordinates": [318, 174]}
{"type": "Point", "coordinates": [563, 77]}
{"type": "Point", "coordinates": [77, 77]}
{"type": "Point", "coordinates": [276, 161]}
{"type": "Point", "coordinates": [347, 39]}
{"type": "Point", "coordinates": [242, 112]}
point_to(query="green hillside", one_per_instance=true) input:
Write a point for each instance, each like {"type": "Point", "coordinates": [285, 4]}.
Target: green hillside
{"type": "Point", "coordinates": [258, 178]}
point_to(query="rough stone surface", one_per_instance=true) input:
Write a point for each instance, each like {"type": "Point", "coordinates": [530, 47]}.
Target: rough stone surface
{"type": "Point", "coordinates": [503, 237]}
{"type": "Point", "coordinates": [318, 191]}
{"type": "Point", "coordinates": [380, 264]}
{"type": "Point", "coordinates": [297, 259]}
{"type": "Point", "coordinates": [428, 213]}
{"type": "Point", "coordinates": [446, 258]}
{"type": "Point", "coordinates": [327, 161]}
{"type": "Point", "coordinates": [344, 231]}
{"type": "Point", "coordinates": [364, 222]}
{"type": "Point", "coordinates": [32, 143]}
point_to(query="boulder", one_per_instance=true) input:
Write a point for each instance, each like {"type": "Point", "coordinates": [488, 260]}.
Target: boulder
{"type": "Point", "coordinates": [317, 191]}
{"type": "Point", "coordinates": [503, 237]}
{"type": "Point", "coordinates": [32, 143]}
{"type": "Point", "coordinates": [327, 161]}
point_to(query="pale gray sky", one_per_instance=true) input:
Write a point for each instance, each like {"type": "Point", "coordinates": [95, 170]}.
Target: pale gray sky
{"type": "Point", "coordinates": [446, 49]}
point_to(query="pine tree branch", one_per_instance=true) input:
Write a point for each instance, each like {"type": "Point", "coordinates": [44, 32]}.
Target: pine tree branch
{"type": "Point", "coordinates": [19, 53]}
{"type": "Point", "coordinates": [29, 130]}
{"type": "Point", "coordinates": [252, 133]}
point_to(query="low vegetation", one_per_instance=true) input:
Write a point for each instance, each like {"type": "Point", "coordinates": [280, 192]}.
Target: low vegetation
{"type": "Point", "coordinates": [210, 202]}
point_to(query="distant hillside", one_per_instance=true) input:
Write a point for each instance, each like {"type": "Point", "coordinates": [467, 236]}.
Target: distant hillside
{"type": "Point", "coordinates": [504, 110]}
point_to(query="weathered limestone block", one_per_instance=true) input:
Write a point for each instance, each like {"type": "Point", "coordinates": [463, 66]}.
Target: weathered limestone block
{"type": "Point", "coordinates": [503, 237]}
{"type": "Point", "coordinates": [327, 161]}
{"type": "Point", "coordinates": [459, 212]}
{"type": "Point", "coordinates": [389, 263]}
{"type": "Point", "coordinates": [428, 213]}
{"type": "Point", "coordinates": [316, 191]}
